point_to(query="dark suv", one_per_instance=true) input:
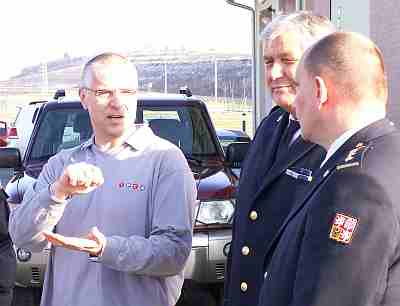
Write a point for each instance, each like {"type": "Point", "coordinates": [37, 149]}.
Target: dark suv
{"type": "Point", "coordinates": [181, 119]}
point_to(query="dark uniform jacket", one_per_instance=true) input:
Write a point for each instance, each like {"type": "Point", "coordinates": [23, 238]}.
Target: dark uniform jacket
{"type": "Point", "coordinates": [7, 255]}
{"type": "Point", "coordinates": [266, 195]}
{"type": "Point", "coordinates": [340, 246]}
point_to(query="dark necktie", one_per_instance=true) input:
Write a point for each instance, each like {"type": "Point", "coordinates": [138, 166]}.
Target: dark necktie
{"type": "Point", "coordinates": [287, 136]}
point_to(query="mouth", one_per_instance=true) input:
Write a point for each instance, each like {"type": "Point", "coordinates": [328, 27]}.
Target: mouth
{"type": "Point", "coordinates": [275, 87]}
{"type": "Point", "coordinates": [115, 116]}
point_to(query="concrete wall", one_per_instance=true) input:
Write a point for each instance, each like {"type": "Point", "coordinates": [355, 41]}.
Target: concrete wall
{"type": "Point", "coordinates": [287, 6]}
{"type": "Point", "coordinates": [320, 7]}
{"type": "Point", "coordinates": [385, 32]}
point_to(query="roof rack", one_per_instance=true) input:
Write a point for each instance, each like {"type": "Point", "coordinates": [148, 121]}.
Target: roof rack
{"type": "Point", "coordinates": [185, 90]}
{"type": "Point", "coordinates": [37, 102]}
{"type": "Point", "coordinates": [59, 94]}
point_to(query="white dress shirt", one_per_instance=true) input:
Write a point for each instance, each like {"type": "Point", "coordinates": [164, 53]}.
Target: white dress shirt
{"type": "Point", "coordinates": [343, 138]}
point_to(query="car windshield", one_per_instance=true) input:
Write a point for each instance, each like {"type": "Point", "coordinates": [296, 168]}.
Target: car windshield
{"type": "Point", "coordinates": [176, 124]}
{"type": "Point", "coordinates": [65, 128]}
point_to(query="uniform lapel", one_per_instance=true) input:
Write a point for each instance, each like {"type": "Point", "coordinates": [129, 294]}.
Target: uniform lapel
{"type": "Point", "coordinates": [267, 161]}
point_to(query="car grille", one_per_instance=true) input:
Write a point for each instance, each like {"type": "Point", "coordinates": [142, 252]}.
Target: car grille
{"type": "Point", "coordinates": [35, 275]}
{"type": "Point", "coordinates": [220, 271]}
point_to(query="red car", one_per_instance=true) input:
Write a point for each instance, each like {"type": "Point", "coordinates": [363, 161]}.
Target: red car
{"type": "Point", "coordinates": [3, 134]}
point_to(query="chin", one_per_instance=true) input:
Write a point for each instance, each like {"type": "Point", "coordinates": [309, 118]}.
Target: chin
{"type": "Point", "coordinates": [285, 102]}
{"type": "Point", "coordinates": [116, 133]}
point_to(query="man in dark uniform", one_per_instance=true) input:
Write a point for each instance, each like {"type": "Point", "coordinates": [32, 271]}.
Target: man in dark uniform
{"type": "Point", "coordinates": [8, 263]}
{"type": "Point", "coordinates": [340, 245]}
{"type": "Point", "coordinates": [278, 168]}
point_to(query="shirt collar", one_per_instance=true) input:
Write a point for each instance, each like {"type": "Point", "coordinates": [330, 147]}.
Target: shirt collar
{"type": "Point", "coordinates": [138, 139]}
{"type": "Point", "coordinates": [343, 138]}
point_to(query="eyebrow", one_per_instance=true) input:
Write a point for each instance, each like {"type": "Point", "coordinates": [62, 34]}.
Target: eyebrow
{"type": "Point", "coordinates": [282, 55]}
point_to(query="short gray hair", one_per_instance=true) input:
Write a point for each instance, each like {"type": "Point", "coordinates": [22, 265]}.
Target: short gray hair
{"type": "Point", "coordinates": [104, 58]}
{"type": "Point", "coordinates": [309, 26]}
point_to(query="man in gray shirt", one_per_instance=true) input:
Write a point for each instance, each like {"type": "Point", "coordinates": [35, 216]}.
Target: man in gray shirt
{"type": "Point", "coordinates": [118, 210]}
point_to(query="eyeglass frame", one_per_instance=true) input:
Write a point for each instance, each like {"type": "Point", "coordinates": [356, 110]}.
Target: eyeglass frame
{"type": "Point", "coordinates": [106, 93]}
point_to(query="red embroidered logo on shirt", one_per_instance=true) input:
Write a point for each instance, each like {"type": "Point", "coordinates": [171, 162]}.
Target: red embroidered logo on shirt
{"type": "Point", "coordinates": [131, 186]}
{"type": "Point", "coordinates": [343, 228]}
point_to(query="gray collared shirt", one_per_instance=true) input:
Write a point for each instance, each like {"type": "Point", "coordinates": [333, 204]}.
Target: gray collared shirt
{"type": "Point", "coordinates": [144, 208]}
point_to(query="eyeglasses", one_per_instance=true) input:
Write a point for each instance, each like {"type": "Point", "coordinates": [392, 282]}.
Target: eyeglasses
{"type": "Point", "coordinates": [105, 94]}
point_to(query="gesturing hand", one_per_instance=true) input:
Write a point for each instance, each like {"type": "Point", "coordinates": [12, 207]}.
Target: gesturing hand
{"type": "Point", "coordinates": [76, 179]}
{"type": "Point", "coordinates": [93, 243]}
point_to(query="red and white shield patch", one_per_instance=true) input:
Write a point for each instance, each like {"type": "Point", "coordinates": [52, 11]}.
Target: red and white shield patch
{"type": "Point", "coordinates": [343, 228]}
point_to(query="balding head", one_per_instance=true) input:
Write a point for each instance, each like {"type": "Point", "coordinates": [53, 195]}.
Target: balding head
{"type": "Point", "coordinates": [341, 86]}
{"type": "Point", "coordinates": [352, 62]}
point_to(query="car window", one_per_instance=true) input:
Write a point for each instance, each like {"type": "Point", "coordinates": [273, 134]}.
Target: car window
{"type": "Point", "coordinates": [183, 126]}
{"type": "Point", "coordinates": [176, 124]}
{"type": "Point", "coordinates": [60, 129]}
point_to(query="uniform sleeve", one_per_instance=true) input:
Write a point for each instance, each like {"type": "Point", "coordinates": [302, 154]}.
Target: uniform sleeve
{"type": "Point", "coordinates": [37, 211]}
{"type": "Point", "coordinates": [168, 247]}
{"type": "Point", "coordinates": [353, 269]}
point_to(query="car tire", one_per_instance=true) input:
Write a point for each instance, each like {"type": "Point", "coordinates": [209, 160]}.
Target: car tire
{"type": "Point", "coordinates": [26, 296]}
{"type": "Point", "coordinates": [194, 295]}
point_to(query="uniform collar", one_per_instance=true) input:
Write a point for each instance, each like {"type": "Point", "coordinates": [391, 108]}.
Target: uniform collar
{"type": "Point", "coordinates": [366, 135]}
{"type": "Point", "coordinates": [139, 138]}
{"type": "Point", "coordinates": [344, 137]}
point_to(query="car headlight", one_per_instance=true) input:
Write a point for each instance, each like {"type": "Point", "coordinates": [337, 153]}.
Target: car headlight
{"type": "Point", "coordinates": [215, 212]}
{"type": "Point", "coordinates": [23, 255]}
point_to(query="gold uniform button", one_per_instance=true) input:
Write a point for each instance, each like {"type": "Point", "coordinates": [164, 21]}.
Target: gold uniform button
{"type": "Point", "coordinates": [253, 215]}
{"type": "Point", "coordinates": [243, 287]}
{"type": "Point", "coordinates": [245, 250]}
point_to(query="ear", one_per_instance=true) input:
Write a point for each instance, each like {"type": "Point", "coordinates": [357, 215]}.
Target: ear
{"type": "Point", "coordinates": [82, 97]}
{"type": "Point", "coordinates": [321, 90]}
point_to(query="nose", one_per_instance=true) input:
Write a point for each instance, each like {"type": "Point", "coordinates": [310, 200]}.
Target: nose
{"type": "Point", "coordinates": [116, 100]}
{"type": "Point", "coordinates": [275, 71]}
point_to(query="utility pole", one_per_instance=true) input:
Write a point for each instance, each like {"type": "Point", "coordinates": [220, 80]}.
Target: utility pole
{"type": "Point", "coordinates": [215, 79]}
{"type": "Point", "coordinates": [165, 78]}
{"type": "Point", "coordinates": [44, 78]}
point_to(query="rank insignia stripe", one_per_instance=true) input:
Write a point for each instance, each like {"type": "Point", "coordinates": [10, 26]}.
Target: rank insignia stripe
{"type": "Point", "coordinates": [344, 166]}
{"type": "Point", "coordinates": [299, 176]}
{"type": "Point", "coordinates": [343, 228]}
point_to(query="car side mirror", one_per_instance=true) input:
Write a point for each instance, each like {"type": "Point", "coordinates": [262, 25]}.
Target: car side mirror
{"type": "Point", "coordinates": [236, 152]}
{"type": "Point", "coordinates": [10, 158]}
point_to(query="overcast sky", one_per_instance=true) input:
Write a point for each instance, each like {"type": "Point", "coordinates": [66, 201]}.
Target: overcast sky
{"type": "Point", "coordinates": [35, 31]}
